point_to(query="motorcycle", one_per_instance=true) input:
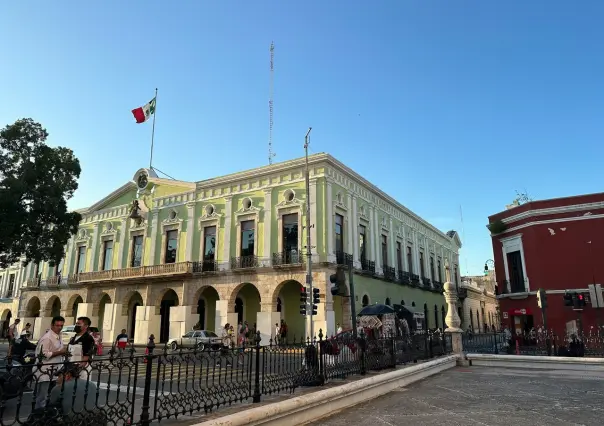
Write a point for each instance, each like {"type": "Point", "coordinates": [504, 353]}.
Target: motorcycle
{"type": "Point", "coordinates": [15, 376]}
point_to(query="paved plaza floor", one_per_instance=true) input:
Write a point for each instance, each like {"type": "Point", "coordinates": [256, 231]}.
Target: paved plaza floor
{"type": "Point", "coordinates": [486, 396]}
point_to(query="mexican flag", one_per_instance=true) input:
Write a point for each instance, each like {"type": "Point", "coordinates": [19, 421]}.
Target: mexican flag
{"type": "Point", "coordinates": [143, 113]}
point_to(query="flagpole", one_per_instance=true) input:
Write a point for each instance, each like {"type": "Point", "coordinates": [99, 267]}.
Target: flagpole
{"type": "Point", "coordinates": [153, 131]}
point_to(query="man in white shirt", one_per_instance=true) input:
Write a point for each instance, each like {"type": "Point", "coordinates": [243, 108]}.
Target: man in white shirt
{"type": "Point", "coordinates": [52, 348]}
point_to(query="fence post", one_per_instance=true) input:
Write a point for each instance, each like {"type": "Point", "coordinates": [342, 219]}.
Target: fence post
{"type": "Point", "coordinates": [257, 373]}
{"type": "Point", "coordinates": [145, 419]}
{"type": "Point", "coordinates": [321, 360]}
{"type": "Point", "coordinates": [362, 350]}
{"type": "Point", "coordinates": [495, 341]}
{"type": "Point", "coordinates": [393, 348]}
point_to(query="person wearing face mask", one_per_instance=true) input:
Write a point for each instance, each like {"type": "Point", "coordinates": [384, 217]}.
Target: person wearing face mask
{"type": "Point", "coordinates": [81, 347]}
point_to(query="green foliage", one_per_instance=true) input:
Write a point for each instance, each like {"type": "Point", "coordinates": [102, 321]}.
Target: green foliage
{"type": "Point", "coordinates": [35, 183]}
{"type": "Point", "coordinates": [497, 227]}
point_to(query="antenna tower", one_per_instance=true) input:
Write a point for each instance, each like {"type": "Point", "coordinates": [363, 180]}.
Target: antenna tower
{"type": "Point", "coordinates": [271, 154]}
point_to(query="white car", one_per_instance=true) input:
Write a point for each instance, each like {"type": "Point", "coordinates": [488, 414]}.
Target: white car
{"type": "Point", "coordinates": [202, 339]}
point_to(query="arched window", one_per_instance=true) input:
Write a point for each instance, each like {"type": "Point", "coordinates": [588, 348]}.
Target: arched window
{"type": "Point", "coordinates": [365, 301]}
{"type": "Point", "coordinates": [388, 301]}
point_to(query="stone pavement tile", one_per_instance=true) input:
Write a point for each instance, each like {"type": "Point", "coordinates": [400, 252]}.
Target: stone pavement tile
{"type": "Point", "coordinates": [519, 418]}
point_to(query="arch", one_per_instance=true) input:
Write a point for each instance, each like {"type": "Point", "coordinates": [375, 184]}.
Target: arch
{"type": "Point", "coordinates": [403, 302]}
{"type": "Point", "coordinates": [7, 314]}
{"type": "Point", "coordinates": [365, 300]}
{"type": "Point", "coordinates": [388, 302]}
{"type": "Point", "coordinates": [161, 296]}
{"type": "Point", "coordinates": [132, 301]}
{"type": "Point", "coordinates": [72, 304]}
{"type": "Point", "coordinates": [53, 306]}
{"type": "Point", "coordinates": [168, 299]}
{"type": "Point", "coordinates": [6, 317]}
{"type": "Point", "coordinates": [102, 297]}
{"type": "Point", "coordinates": [103, 302]}
{"type": "Point", "coordinates": [413, 304]}
{"type": "Point", "coordinates": [33, 307]}
{"type": "Point", "coordinates": [250, 300]}
{"type": "Point", "coordinates": [288, 292]}
{"type": "Point", "coordinates": [206, 299]}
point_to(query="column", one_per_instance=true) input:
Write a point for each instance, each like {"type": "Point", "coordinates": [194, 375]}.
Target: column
{"type": "Point", "coordinates": [377, 242]}
{"type": "Point", "coordinates": [372, 237]}
{"type": "Point", "coordinates": [452, 319]}
{"type": "Point", "coordinates": [265, 323]}
{"type": "Point", "coordinates": [151, 258]}
{"type": "Point", "coordinates": [226, 246]}
{"type": "Point", "coordinates": [182, 320]}
{"type": "Point", "coordinates": [268, 226]}
{"type": "Point", "coordinates": [147, 323]}
{"type": "Point", "coordinates": [68, 255]}
{"type": "Point", "coordinates": [330, 234]}
{"type": "Point", "coordinates": [95, 242]}
{"type": "Point", "coordinates": [405, 262]}
{"type": "Point", "coordinates": [312, 199]}
{"type": "Point", "coordinates": [190, 231]}
{"type": "Point", "coordinates": [123, 248]}
{"type": "Point", "coordinates": [392, 255]}
{"type": "Point", "coordinates": [416, 254]}
{"type": "Point", "coordinates": [223, 316]}
{"type": "Point", "coordinates": [355, 234]}
{"type": "Point", "coordinates": [350, 231]}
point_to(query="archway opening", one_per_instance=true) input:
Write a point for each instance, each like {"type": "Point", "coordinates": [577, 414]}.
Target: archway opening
{"type": "Point", "coordinates": [6, 317]}
{"type": "Point", "coordinates": [105, 299]}
{"type": "Point", "coordinates": [33, 307]}
{"type": "Point", "coordinates": [53, 306]}
{"type": "Point", "coordinates": [388, 303]}
{"type": "Point", "coordinates": [134, 302]}
{"type": "Point", "coordinates": [288, 304]}
{"type": "Point", "coordinates": [169, 299]}
{"type": "Point", "coordinates": [74, 306]}
{"type": "Point", "coordinates": [365, 301]}
{"type": "Point", "coordinates": [206, 309]}
{"type": "Point", "coordinates": [247, 304]}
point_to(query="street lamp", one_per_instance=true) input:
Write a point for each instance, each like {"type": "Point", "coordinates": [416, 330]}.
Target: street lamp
{"type": "Point", "coordinates": [490, 262]}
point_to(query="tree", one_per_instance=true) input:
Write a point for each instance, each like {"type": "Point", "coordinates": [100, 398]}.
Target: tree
{"type": "Point", "coordinates": [35, 183]}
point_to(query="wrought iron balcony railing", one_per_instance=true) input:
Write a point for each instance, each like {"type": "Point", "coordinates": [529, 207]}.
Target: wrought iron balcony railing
{"type": "Point", "coordinates": [389, 272]}
{"type": "Point", "coordinates": [426, 282]}
{"type": "Point", "coordinates": [438, 286]}
{"type": "Point", "coordinates": [208, 265]}
{"type": "Point", "coordinates": [288, 258]}
{"type": "Point", "coordinates": [244, 262]}
{"type": "Point", "coordinates": [368, 266]}
{"type": "Point", "coordinates": [343, 258]}
{"type": "Point", "coordinates": [404, 277]}
{"type": "Point", "coordinates": [414, 279]}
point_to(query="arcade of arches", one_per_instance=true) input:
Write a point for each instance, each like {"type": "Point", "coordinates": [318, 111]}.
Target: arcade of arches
{"type": "Point", "coordinates": [170, 309]}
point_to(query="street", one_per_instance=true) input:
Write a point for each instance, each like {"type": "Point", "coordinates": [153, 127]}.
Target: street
{"type": "Point", "coordinates": [481, 396]}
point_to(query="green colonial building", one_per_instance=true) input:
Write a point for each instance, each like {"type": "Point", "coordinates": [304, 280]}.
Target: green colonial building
{"type": "Point", "coordinates": [159, 256]}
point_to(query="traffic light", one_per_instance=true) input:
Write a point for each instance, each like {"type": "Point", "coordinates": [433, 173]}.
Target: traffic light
{"type": "Point", "coordinates": [303, 300]}
{"type": "Point", "coordinates": [315, 300]}
{"type": "Point", "coordinates": [579, 301]}
{"type": "Point", "coordinates": [568, 299]}
{"type": "Point", "coordinates": [338, 281]}
{"type": "Point", "coordinates": [541, 298]}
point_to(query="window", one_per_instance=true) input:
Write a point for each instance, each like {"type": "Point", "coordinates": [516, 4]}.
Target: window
{"type": "Point", "coordinates": [209, 243]}
{"type": "Point", "coordinates": [290, 234]}
{"type": "Point", "coordinates": [362, 246]}
{"type": "Point", "coordinates": [399, 256]}
{"type": "Point", "coordinates": [248, 232]}
{"type": "Point", "coordinates": [171, 246]}
{"type": "Point", "coordinates": [515, 272]}
{"type": "Point", "coordinates": [440, 272]}
{"type": "Point", "coordinates": [384, 250]}
{"type": "Point", "coordinates": [422, 267]}
{"type": "Point", "coordinates": [81, 264]}
{"type": "Point", "coordinates": [410, 259]}
{"type": "Point", "coordinates": [11, 285]}
{"type": "Point", "coordinates": [107, 255]}
{"type": "Point", "coordinates": [455, 272]}
{"type": "Point", "coordinates": [137, 251]}
{"type": "Point", "coordinates": [432, 274]}
{"type": "Point", "coordinates": [339, 233]}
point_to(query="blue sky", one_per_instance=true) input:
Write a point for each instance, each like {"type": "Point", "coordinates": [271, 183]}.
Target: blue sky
{"type": "Point", "coordinates": [441, 104]}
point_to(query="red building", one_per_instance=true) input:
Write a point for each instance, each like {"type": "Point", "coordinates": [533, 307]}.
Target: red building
{"type": "Point", "coordinates": [556, 245]}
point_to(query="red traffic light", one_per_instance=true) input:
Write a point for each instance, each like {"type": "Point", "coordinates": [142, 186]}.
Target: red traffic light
{"type": "Point", "coordinates": [580, 297]}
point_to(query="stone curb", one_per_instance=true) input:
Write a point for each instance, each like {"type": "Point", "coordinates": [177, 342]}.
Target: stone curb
{"type": "Point", "coordinates": [315, 405]}
{"type": "Point", "coordinates": [536, 362]}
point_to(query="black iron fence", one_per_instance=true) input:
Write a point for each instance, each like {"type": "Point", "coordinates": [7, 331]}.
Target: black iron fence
{"type": "Point", "coordinates": [135, 389]}
{"type": "Point", "coordinates": [539, 343]}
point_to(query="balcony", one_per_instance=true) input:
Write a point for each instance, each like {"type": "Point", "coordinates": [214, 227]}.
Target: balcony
{"type": "Point", "coordinates": [438, 286]}
{"type": "Point", "coordinates": [205, 266]}
{"type": "Point", "coordinates": [415, 280]}
{"type": "Point", "coordinates": [404, 277]}
{"type": "Point", "coordinates": [427, 282]}
{"type": "Point", "coordinates": [368, 266]}
{"type": "Point", "coordinates": [165, 270]}
{"type": "Point", "coordinates": [343, 258]}
{"type": "Point", "coordinates": [389, 273]}
{"type": "Point", "coordinates": [287, 258]}
{"type": "Point", "coordinates": [244, 262]}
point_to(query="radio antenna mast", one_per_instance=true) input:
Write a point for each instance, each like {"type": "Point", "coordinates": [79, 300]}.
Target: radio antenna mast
{"type": "Point", "coordinates": [271, 154]}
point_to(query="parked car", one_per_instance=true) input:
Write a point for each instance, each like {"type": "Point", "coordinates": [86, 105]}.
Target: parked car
{"type": "Point", "coordinates": [202, 339]}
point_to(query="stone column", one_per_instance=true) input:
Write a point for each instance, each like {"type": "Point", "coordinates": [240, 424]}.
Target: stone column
{"type": "Point", "coordinates": [182, 320]}
{"type": "Point", "coordinates": [268, 226]}
{"type": "Point", "coordinates": [265, 323]}
{"type": "Point", "coordinates": [95, 242]}
{"type": "Point", "coordinates": [355, 234]}
{"type": "Point", "coordinates": [190, 231]}
{"type": "Point", "coordinates": [392, 249]}
{"type": "Point", "coordinates": [372, 237]}
{"type": "Point", "coordinates": [377, 241]}
{"type": "Point", "coordinates": [67, 260]}
{"type": "Point", "coordinates": [312, 199]}
{"type": "Point", "coordinates": [152, 258]}
{"type": "Point", "coordinates": [330, 234]}
{"type": "Point", "coordinates": [452, 319]}
{"type": "Point", "coordinates": [147, 323]}
{"type": "Point", "coordinates": [223, 316]}
{"type": "Point", "coordinates": [123, 245]}
{"type": "Point", "coordinates": [226, 246]}
{"type": "Point", "coordinates": [351, 233]}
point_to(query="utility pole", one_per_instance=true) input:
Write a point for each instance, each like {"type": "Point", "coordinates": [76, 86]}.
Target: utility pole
{"type": "Point", "coordinates": [308, 225]}
{"type": "Point", "coordinates": [353, 307]}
